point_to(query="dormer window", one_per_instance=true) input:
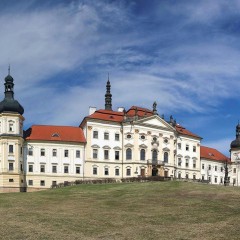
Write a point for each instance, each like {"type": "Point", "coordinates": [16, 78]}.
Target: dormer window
{"type": "Point", "coordinates": [55, 135]}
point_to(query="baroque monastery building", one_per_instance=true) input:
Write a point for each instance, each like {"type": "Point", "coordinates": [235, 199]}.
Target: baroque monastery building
{"type": "Point", "coordinates": [108, 144]}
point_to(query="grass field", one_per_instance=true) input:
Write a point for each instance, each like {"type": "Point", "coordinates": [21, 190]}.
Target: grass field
{"type": "Point", "coordinates": [156, 210]}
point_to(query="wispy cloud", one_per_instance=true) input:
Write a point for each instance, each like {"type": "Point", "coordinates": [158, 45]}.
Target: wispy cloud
{"type": "Point", "coordinates": [182, 54]}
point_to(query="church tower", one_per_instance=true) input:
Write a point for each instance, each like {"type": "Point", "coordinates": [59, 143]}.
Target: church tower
{"type": "Point", "coordinates": [11, 140]}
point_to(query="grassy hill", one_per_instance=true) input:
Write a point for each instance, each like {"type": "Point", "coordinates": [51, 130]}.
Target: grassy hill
{"type": "Point", "coordinates": [156, 210]}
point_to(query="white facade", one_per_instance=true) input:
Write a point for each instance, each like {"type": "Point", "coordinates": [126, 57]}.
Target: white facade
{"type": "Point", "coordinates": [50, 163]}
{"type": "Point", "coordinates": [213, 171]}
{"type": "Point", "coordinates": [146, 146]}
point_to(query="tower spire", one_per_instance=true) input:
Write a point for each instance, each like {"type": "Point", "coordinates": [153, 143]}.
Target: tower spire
{"type": "Point", "coordinates": [8, 69]}
{"type": "Point", "coordinates": [108, 96]}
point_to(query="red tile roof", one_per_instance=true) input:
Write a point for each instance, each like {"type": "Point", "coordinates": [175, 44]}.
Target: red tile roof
{"type": "Point", "coordinates": [55, 133]}
{"type": "Point", "coordinates": [180, 129]}
{"type": "Point", "coordinates": [107, 115]}
{"type": "Point", "coordinates": [212, 154]}
{"type": "Point", "coordinates": [141, 112]}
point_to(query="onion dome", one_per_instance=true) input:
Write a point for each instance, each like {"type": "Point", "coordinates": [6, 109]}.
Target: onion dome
{"type": "Point", "coordinates": [9, 104]}
{"type": "Point", "coordinates": [236, 143]}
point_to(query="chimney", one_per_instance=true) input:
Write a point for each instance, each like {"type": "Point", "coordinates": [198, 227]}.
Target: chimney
{"type": "Point", "coordinates": [120, 109]}
{"type": "Point", "coordinates": [92, 110]}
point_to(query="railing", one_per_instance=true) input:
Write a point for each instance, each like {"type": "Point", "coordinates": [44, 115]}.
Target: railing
{"type": "Point", "coordinates": [156, 162]}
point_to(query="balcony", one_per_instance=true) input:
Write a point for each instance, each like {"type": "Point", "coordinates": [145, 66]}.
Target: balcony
{"type": "Point", "coordinates": [156, 162]}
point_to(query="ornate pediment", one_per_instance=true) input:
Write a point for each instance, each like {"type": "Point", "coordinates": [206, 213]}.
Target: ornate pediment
{"type": "Point", "coordinates": [95, 146]}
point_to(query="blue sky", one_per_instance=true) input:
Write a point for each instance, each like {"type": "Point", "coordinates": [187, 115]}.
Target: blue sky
{"type": "Point", "coordinates": [183, 54]}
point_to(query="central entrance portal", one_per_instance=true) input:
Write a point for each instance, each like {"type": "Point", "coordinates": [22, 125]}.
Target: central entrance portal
{"type": "Point", "coordinates": [154, 171]}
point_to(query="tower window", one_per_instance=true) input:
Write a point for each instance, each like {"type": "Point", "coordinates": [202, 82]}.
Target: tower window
{"type": "Point", "coordinates": [10, 165]}
{"type": "Point", "coordinates": [10, 148]}
{"type": "Point", "coordinates": [10, 126]}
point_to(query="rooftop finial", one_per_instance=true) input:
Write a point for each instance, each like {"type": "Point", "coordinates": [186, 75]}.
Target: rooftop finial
{"type": "Point", "coordinates": [155, 108]}
{"type": "Point", "coordinates": [108, 96]}
{"type": "Point", "coordinates": [8, 69]}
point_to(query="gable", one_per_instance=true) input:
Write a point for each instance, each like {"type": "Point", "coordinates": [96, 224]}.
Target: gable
{"type": "Point", "coordinates": [156, 122]}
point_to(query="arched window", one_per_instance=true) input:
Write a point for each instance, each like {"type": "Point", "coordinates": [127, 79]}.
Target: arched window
{"type": "Point", "coordinates": [142, 154]}
{"type": "Point", "coordinates": [129, 154]}
{"type": "Point", "coordinates": [154, 155]}
{"type": "Point", "coordinates": [165, 157]}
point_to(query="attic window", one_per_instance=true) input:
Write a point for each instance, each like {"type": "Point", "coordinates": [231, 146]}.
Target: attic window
{"type": "Point", "coordinates": [55, 135]}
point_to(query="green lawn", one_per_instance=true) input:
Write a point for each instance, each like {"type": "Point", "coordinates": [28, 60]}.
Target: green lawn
{"type": "Point", "coordinates": [156, 210]}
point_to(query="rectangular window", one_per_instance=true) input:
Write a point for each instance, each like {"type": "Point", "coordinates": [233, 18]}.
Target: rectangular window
{"type": "Point", "coordinates": [221, 169]}
{"type": "Point", "coordinates": [95, 153]}
{"type": "Point", "coordinates": [179, 162]}
{"type": "Point", "coordinates": [179, 146]}
{"type": "Point", "coordinates": [10, 148]}
{"type": "Point", "coordinates": [42, 183]}
{"type": "Point", "coordinates": [10, 165]}
{"type": "Point", "coordinates": [42, 168]}
{"type": "Point", "coordinates": [186, 163]}
{"type": "Point", "coordinates": [117, 137]}
{"type": "Point", "coordinates": [10, 127]}
{"type": "Point", "coordinates": [106, 154]}
{"type": "Point", "coordinates": [209, 167]}
{"type": "Point", "coordinates": [95, 134]}
{"type": "Point", "coordinates": [42, 152]}
{"type": "Point", "coordinates": [77, 153]}
{"type": "Point", "coordinates": [30, 182]}
{"type": "Point", "coordinates": [106, 172]}
{"type": "Point", "coordinates": [179, 175]}
{"type": "Point", "coordinates": [54, 152]}
{"type": "Point", "coordinates": [94, 171]}
{"type": "Point", "coordinates": [77, 170]}
{"type": "Point", "coordinates": [30, 151]}
{"type": "Point", "coordinates": [54, 169]}
{"type": "Point", "coordinates": [187, 147]}
{"type": "Point", "coordinates": [202, 166]}
{"type": "Point", "coordinates": [11, 180]}
{"type": "Point", "coordinates": [209, 179]}
{"type": "Point", "coordinates": [186, 175]}
{"type": "Point", "coordinates": [65, 169]}
{"type": "Point", "coordinates": [215, 179]}
{"type": "Point", "coordinates": [194, 148]}
{"type": "Point", "coordinates": [234, 181]}
{"type": "Point", "coordinates": [65, 153]}
{"type": "Point", "coordinates": [234, 170]}
{"type": "Point", "coordinates": [30, 168]}
{"type": "Point", "coordinates": [221, 180]}
{"type": "Point", "coordinates": [128, 172]}
{"type": "Point", "coordinates": [117, 172]}
{"type": "Point", "coordinates": [194, 164]}
{"type": "Point", "coordinates": [194, 177]}
{"type": "Point", "coordinates": [106, 136]}
{"type": "Point", "coordinates": [216, 168]}
{"type": "Point", "coordinates": [116, 155]}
